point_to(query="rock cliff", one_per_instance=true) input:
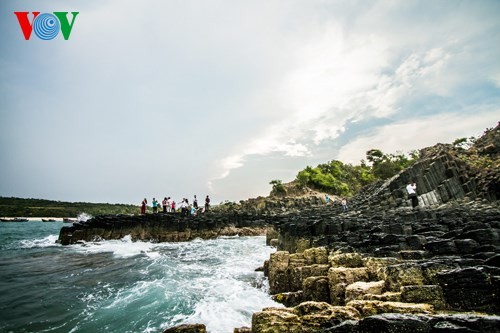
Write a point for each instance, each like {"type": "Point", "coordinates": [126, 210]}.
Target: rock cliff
{"type": "Point", "coordinates": [170, 227]}
{"type": "Point", "coordinates": [385, 267]}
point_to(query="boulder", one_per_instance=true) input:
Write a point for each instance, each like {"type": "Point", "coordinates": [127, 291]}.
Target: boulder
{"type": "Point", "coordinates": [276, 320]}
{"type": "Point", "coordinates": [368, 308]}
{"type": "Point", "coordinates": [308, 317]}
{"type": "Point", "coordinates": [318, 315]}
{"type": "Point", "coordinates": [374, 264]}
{"type": "Point", "coordinates": [472, 288]}
{"type": "Point", "coordinates": [316, 288]}
{"type": "Point", "coordinates": [396, 276]}
{"type": "Point", "coordinates": [289, 299]}
{"type": "Point", "coordinates": [340, 277]}
{"type": "Point", "coordinates": [279, 280]}
{"type": "Point", "coordinates": [187, 328]}
{"type": "Point", "coordinates": [430, 294]}
{"type": "Point", "coordinates": [299, 274]}
{"type": "Point", "coordinates": [358, 290]}
{"type": "Point", "coordinates": [318, 255]}
{"type": "Point", "coordinates": [430, 270]}
{"type": "Point", "coordinates": [351, 260]}
{"type": "Point", "coordinates": [394, 323]}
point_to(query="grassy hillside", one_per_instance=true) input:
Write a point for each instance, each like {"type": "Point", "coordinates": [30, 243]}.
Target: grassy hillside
{"type": "Point", "coordinates": [11, 207]}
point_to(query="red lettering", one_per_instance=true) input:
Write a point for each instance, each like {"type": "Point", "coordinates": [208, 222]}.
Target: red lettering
{"type": "Point", "coordinates": [24, 22]}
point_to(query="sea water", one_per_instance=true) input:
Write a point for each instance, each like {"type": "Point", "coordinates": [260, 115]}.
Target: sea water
{"type": "Point", "coordinates": [124, 286]}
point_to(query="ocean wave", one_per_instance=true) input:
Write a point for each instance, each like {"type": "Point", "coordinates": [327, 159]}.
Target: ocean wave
{"type": "Point", "coordinates": [48, 241]}
{"type": "Point", "coordinates": [129, 287]}
{"type": "Point", "coordinates": [232, 300]}
{"type": "Point", "coordinates": [123, 248]}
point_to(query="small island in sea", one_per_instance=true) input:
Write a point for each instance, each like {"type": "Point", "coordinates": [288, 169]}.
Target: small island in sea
{"type": "Point", "coordinates": [371, 263]}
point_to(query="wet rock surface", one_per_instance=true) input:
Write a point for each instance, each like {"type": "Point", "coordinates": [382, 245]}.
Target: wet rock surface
{"type": "Point", "coordinates": [170, 227]}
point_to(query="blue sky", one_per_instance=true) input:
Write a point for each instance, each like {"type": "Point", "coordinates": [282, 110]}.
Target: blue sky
{"type": "Point", "coordinates": [155, 98]}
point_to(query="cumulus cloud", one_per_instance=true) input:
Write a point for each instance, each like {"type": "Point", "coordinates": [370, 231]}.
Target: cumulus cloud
{"type": "Point", "coordinates": [338, 80]}
{"type": "Point", "coordinates": [419, 133]}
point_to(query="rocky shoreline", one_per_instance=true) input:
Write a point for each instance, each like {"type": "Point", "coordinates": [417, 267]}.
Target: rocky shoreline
{"type": "Point", "coordinates": [400, 271]}
{"type": "Point", "coordinates": [429, 269]}
{"type": "Point", "coordinates": [380, 267]}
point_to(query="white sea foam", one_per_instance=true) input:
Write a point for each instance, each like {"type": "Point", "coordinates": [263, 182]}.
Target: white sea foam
{"type": "Point", "coordinates": [48, 241]}
{"type": "Point", "coordinates": [122, 248]}
{"type": "Point", "coordinates": [225, 282]}
{"type": "Point", "coordinates": [212, 282]}
{"type": "Point", "coordinates": [228, 304]}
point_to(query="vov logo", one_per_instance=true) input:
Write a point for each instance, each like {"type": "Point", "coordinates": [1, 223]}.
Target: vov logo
{"type": "Point", "coordinates": [46, 25]}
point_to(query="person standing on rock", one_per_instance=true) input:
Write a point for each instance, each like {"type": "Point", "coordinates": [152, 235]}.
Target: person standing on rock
{"type": "Point", "coordinates": [195, 202]}
{"type": "Point", "coordinates": [169, 205]}
{"type": "Point", "coordinates": [184, 207]}
{"type": "Point", "coordinates": [411, 188]}
{"type": "Point", "coordinates": [207, 203]}
{"type": "Point", "coordinates": [155, 206]}
{"type": "Point", "coordinates": [327, 199]}
{"type": "Point", "coordinates": [164, 204]}
{"type": "Point", "coordinates": [143, 206]}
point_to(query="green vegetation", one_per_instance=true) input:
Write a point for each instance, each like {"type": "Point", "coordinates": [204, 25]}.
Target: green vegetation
{"type": "Point", "coordinates": [278, 188]}
{"type": "Point", "coordinates": [342, 179]}
{"type": "Point", "coordinates": [385, 166]}
{"type": "Point", "coordinates": [11, 207]}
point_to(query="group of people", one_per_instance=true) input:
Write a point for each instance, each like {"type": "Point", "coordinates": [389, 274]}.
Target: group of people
{"type": "Point", "coordinates": [169, 206]}
{"type": "Point", "coordinates": [343, 202]}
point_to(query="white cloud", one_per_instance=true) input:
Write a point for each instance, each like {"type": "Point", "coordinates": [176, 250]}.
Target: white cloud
{"type": "Point", "coordinates": [338, 79]}
{"type": "Point", "coordinates": [208, 88]}
{"type": "Point", "coordinates": [418, 133]}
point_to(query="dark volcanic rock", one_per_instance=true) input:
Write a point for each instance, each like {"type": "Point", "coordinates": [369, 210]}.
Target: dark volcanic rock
{"type": "Point", "coordinates": [471, 288]}
{"type": "Point", "coordinates": [393, 322]}
{"type": "Point", "coordinates": [442, 255]}
{"type": "Point", "coordinates": [163, 227]}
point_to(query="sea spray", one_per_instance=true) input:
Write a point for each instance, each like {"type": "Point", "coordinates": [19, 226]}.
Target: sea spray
{"type": "Point", "coordinates": [83, 217]}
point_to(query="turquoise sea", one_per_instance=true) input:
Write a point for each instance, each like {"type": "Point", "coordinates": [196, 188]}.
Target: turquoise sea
{"type": "Point", "coordinates": [124, 286]}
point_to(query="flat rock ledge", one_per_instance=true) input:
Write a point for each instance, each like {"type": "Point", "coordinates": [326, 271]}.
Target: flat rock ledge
{"type": "Point", "coordinates": [170, 227]}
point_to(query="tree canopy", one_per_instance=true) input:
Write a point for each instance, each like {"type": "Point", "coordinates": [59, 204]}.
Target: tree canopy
{"type": "Point", "coordinates": [342, 179]}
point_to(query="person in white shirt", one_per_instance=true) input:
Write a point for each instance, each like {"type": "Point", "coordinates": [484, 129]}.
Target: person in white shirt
{"type": "Point", "coordinates": [184, 205]}
{"type": "Point", "coordinates": [169, 205]}
{"type": "Point", "coordinates": [411, 188]}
